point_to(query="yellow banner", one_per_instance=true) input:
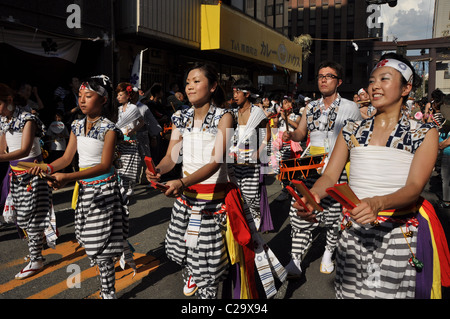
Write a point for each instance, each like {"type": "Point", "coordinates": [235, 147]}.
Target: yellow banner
{"type": "Point", "coordinates": [225, 29]}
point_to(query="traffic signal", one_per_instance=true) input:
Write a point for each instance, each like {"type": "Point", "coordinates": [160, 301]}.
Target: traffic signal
{"type": "Point", "coordinates": [391, 3]}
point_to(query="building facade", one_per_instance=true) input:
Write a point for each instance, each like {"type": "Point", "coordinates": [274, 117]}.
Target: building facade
{"type": "Point", "coordinates": [175, 34]}
{"type": "Point", "coordinates": [340, 33]}
{"type": "Point", "coordinates": [441, 28]}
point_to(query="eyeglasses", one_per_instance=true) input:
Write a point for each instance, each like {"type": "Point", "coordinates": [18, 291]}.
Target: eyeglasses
{"type": "Point", "coordinates": [327, 76]}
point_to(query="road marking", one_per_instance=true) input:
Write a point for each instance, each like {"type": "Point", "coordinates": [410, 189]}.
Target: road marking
{"type": "Point", "coordinates": [145, 264]}
{"type": "Point", "coordinates": [70, 253]}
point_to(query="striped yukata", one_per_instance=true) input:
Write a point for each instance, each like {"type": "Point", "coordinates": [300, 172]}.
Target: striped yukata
{"type": "Point", "coordinates": [101, 214]}
{"type": "Point", "coordinates": [129, 154]}
{"type": "Point", "coordinates": [245, 173]}
{"type": "Point", "coordinates": [31, 195]}
{"type": "Point", "coordinates": [373, 261]}
{"type": "Point", "coordinates": [245, 170]}
{"type": "Point", "coordinates": [324, 126]}
{"type": "Point", "coordinates": [195, 236]}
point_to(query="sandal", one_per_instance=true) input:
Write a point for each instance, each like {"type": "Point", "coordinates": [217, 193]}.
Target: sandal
{"type": "Point", "coordinates": [326, 269]}
{"type": "Point", "coordinates": [32, 268]}
{"type": "Point", "coordinates": [190, 288]}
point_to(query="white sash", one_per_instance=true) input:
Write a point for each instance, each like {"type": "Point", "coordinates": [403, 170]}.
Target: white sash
{"type": "Point", "coordinates": [378, 170]}
{"type": "Point", "coordinates": [197, 150]}
{"type": "Point", "coordinates": [89, 151]}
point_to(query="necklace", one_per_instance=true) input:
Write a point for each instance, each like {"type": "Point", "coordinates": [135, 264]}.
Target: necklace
{"type": "Point", "coordinates": [94, 121]}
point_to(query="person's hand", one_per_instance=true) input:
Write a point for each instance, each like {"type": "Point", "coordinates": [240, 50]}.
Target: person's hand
{"type": "Point", "coordinates": [59, 182]}
{"type": "Point", "coordinates": [366, 211]}
{"type": "Point", "coordinates": [176, 188]}
{"type": "Point", "coordinates": [151, 177]}
{"type": "Point", "coordinates": [35, 171]}
{"type": "Point", "coordinates": [310, 214]}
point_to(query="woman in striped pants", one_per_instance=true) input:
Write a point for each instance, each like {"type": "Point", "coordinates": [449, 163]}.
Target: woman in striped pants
{"type": "Point", "coordinates": [195, 237]}
{"type": "Point", "coordinates": [392, 244]}
{"type": "Point", "coordinates": [130, 121]}
{"type": "Point", "coordinates": [101, 214]}
{"type": "Point", "coordinates": [31, 196]}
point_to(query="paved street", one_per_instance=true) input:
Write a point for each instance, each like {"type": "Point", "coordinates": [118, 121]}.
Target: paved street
{"type": "Point", "coordinates": [157, 278]}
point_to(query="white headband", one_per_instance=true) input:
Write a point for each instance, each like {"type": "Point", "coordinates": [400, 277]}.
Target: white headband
{"type": "Point", "coordinates": [401, 67]}
{"type": "Point", "coordinates": [101, 90]}
{"type": "Point", "coordinates": [361, 91]}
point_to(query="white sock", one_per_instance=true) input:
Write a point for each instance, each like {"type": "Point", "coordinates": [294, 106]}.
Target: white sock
{"type": "Point", "coordinates": [326, 258]}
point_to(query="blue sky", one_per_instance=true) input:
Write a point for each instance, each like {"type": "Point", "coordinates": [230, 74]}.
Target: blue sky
{"type": "Point", "coordinates": [409, 20]}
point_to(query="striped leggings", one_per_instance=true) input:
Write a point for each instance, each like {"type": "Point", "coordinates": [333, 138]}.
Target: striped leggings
{"type": "Point", "coordinates": [32, 199]}
{"type": "Point", "coordinates": [207, 263]}
{"type": "Point", "coordinates": [301, 232]}
{"type": "Point", "coordinates": [101, 227]}
{"type": "Point", "coordinates": [131, 163]}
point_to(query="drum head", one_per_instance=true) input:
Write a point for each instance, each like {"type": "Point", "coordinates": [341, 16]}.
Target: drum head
{"type": "Point", "coordinates": [57, 127]}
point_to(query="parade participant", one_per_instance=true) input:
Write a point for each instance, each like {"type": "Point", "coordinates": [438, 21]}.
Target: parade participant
{"type": "Point", "coordinates": [130, 121]}
{"type": "Point", "coordinates": [28, 194]}
{"type": "Point", "coordinates": [194, 238]}
{"type": "Point", "coordinates": [367, 110]}
{"type": "Point", "coordinates": [207, 203]}
{"type": "Point", "coordinates": [101, 203]}
{"type": "Point", "coordinates": [395, 246]}
{"type": "Point", "coordinates": [323, 120]}
{"type": "Point", "coordinates": [248, 150]}
{"type": "Point", "coordinates": [246, 146]}
{"type": "Point", "coordinates": [286, 120]}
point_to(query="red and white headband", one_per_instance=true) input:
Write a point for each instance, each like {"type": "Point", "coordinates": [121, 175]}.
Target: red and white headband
{"type": "Point", "coordinates": [401, 67]}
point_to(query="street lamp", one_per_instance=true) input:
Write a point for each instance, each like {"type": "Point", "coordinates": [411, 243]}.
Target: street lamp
{"type": "Point", "coordinates": [391, 3]}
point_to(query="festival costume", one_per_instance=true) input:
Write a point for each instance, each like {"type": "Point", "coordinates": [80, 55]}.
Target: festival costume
{"type": "Point", "coordinates": [376, 260]}
{"type": "Point", "coordinates": [285, 150]}
{"type": "Point", "coordinates": [29, 195]}
{"type": "Point", "coordinates": [246, 169]}
{"type": "Point", "coordinates": [128, 147]}
{"type": "Point", "coordinates": [208, 225]}
{"type": "Point", "coordinates": [101, 214]}
{"type": "Point", "coordinates": [245, 173]}
{"type": "Point", "coordinates": [324, 127]}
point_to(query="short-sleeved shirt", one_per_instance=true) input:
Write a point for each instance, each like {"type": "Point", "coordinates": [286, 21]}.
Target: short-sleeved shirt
{"type": "Point", "coordinates": [14, 129]}
{"type": "Point", "coordinates": [90, 146]}
{"type": "Point", "coordinates": [184, 119]}
{"type": "Point", "coordinates": [19, 119]}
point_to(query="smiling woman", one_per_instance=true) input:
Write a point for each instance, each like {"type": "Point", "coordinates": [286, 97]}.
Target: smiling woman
{"type": "Point", "coordinates": [384, 253]}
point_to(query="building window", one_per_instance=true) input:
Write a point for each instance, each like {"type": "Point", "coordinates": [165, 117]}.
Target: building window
{"type": "Point", "coordinates": [269, 11]}
{"type": "Point", "coordinates": [279, 9]}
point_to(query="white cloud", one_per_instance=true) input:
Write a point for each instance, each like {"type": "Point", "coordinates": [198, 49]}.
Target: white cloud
{"type": "Point", "coordinates": [409, 20]}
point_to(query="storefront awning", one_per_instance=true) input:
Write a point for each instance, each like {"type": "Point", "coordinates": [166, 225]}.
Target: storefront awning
{"type": "Point", "coordinates": [233, 33]}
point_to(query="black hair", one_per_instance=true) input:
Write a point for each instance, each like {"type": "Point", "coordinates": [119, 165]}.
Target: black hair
{"type": "Point", "coordinates": [245, 84]}
{"type": "Point", "coordinates": [417, 80]}
{"type": "Point", "coordinates": [334, 65]}
{"type": "Point", "coordinates": [155, 89]}
{"type": "Point", "coordinates": [210, 72]}
{"type": "Point", "coordinates": [95, 82]}
{"type": "Point", "coordinates": [438, 96]}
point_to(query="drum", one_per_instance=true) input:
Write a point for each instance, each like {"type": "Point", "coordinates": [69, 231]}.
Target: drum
{"type": "Point", "coordinates": [57, 127]}
{"type": "Point", "coordinates": [302, 168]}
